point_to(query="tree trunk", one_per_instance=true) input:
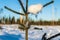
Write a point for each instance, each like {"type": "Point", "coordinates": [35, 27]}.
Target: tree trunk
{"type": "Point", "coordinates": [26, 34]}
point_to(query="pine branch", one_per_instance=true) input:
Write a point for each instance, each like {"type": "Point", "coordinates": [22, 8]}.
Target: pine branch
{"type": "Point", "coordinates": [12, 10]}
{"type": "Point", "coordinates": [20, 2]}
{"type": "Point", "coordinates": [48, 3]}
{"type": "Point", "coordinates": [54, 36]}
{"type": "Point", "coordinates": [26, 6]}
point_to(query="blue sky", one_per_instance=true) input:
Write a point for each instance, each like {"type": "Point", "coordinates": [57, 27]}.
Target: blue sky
{"type": "Point", "coordinates": [46, 13]}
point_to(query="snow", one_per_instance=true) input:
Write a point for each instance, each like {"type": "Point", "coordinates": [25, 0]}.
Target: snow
{"type": "Point", "coordinates": [32, 33]}
{"type": "Point", "coordinates": [35, 8]}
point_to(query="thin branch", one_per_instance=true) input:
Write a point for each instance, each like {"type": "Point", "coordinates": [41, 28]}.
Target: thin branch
{"type": "Point", "coordinates": [44, 37]}
{"type": "Point", "coordinates": [12, 10]}
{"type": "Point", "coordinates": [26, 6]}
{"type": "Point", "coordinates": [48, 3]}
{"type": "Point", "coordinates": [21, 28]}
{"type": "Point", "coordinates": [22, 25]}
{"type": "Point", "coordinates": [38, 28]}
{"type": "Point", "coordinates": [54, 36]}
{"type": "Point", "coordinates": [20, 2]}
{"type": "Point", "coordinates": [28, 27]}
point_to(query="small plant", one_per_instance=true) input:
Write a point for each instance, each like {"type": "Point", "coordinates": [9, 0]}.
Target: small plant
{"type": "Point", "coordinates": [25, 25]}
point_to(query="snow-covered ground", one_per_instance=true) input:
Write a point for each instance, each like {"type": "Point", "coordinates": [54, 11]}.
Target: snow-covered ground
{"type": "Point", "coordinates": [32, 33]}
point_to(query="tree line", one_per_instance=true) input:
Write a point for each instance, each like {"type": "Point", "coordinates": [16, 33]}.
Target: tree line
{"type": "Point", "coordinates": [9, 20]}
{"type": "Point", "coordinates": [31, 22]}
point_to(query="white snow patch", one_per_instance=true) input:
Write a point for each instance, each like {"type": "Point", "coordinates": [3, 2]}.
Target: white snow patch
{"type": "Point", "coordinates": [35, 8]}
{"type": "Point", "coordinates": [32, 34]}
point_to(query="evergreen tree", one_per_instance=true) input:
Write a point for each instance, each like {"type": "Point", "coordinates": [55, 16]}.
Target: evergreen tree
{"type": "Point", "coordinates": [6, 21]}
{"type": "Point", "coordinates": [18, 21]}
{"type": "Point", "coordinates": [0, 21]}
{"type": "Point", "coordinates": [3, 19]}
{"type": "Point", "coordinates": [9, 20]}
{"type": "Point", "coordinates": [13, 20]}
